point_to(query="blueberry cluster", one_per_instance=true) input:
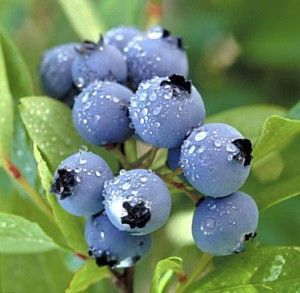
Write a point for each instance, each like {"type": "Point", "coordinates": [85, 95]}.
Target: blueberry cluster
{"type": "Point", "coordinates": [134, 82]}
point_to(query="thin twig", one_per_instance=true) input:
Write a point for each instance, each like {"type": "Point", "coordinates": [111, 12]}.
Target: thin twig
{"type": "Point", "coordinates": [175, 173]}
{"type": "Point", "coordinates": [181, 186]}
{"type": "Point", "coordinates": [151, 158]}
{"type": "Point", "coordinates": [141, 159]}
{"type": "Point", "coordinates": [123, 281]}
{"type": "Point", "coordinates": [121, 157]}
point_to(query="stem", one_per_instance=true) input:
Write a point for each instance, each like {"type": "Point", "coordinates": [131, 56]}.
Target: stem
{"type": "Point", "coordinates": [16, 174]}
{"type": "Point", "coordinates": [121, 157]}
{"type": "Point", "coordinates": [154, 11]}
{"type": "Point", "coordinates": [204, 261]}
{"type": "Point", "coordinates": [140, 160]}
{"type": "Point", "coordinates": [128, 279]}
{"type": "Point", "coordinates": [151, 158]}
{"type": "Point", "coordinates": [124, 281]}
{"type": "Point", "coordinates": [175, 173]}
{"type": "Point", "coordinates": [180, 186]}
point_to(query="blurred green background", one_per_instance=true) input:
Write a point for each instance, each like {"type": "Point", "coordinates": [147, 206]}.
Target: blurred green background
{"type": "Point", "coordinates": [241, 53]}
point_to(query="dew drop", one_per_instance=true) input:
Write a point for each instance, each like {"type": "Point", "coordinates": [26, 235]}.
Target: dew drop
{"type": "Point", "coordinates": [200, 135]}
{"type": "Point", "coordinates": [126, 186]}
{"type": "Point", "coordinates": [144, 112]}
{"type": "Point", "coordinates": [218, 143]}
{"type": "Point", "coordinates": [191, 149]}
{"type": "Point", "coordinates": [230, 147]}
{"type": "Point", "coordinates": [201, 149]}
{"type": "Point", "coordinates": [157, 110]}
{"type": "Point", "coordinates": [229, 158]}
{"type": "Point", "coordinates": [82, 161]}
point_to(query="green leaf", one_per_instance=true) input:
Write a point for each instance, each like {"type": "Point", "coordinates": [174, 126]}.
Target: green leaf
{"type": "Point", "coordinates": [50, 126]}
{"type": "Point", "coordinates": [257, 270]}
{"type": "Point", "coordinates": [275, 177]}
{"type": "Point", "coordinates": [18, 84]}
{"type": "Point", "coordinates": [81, 16]}
{"type": "Point", "coordinates": [18, 75]}
{"type": "Point", "coordinates": [277, 132]}
{"type": "Point", "coordinates": [131, 150]}
{"type": "Point", "coordinates": [87, 275]}
{"type": "Point", "coordinates": [6, 107]}
{"type": "Point", "coordinates": [248, 119]}
{"type": "Point", "coordinates": [22, 206]}
{"type": "Point", "coordinates": [70, 226]}
{"type": "Point", "coordinates": [294, 113]}
{"type": "Point", "coordinates": [34, 273]}
{"type": "Point", "coordinates": [18, 235]}
{"type": "Point", "coordinates": [164, 271]}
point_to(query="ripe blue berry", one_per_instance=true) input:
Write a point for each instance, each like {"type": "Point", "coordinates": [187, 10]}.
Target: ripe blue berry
{"type": "Point", "coordinates": [155, 54]}
{"type": "Point", "coordinates": [55, 70]}
{"type": "Point", "coordinates": [112, 247]}
{"type": "Point", "coordinates": [173, 160]}
{"type": "Point", "coordinates": [78, 183]}
{"type": "Point", "coordinates": [137, 201]}
{"type": "Point", "coordinates": [100, 113]}
{"type": "Point", "coordinates": [121, 35]}
{"type": "Point", "coordinates": [165, 109]}
{"type": "Point", "coordinates": [98, 61]}
{"type": "Point", "coordinates": [221, 225]}
{"type": "Point", "coordinates": [216, 159]}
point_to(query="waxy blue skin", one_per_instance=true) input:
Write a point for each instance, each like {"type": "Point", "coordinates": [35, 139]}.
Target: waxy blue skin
{"type": "Point", "coordinates": [98, 62]}
{"type": "Point", "coordinates": [100, 113]}
{"type": "Point", "coordinates": [221, 225]}
{"type": "Point", "coordinates": [55, 70]}
{"type": "Point", "coordinates": [121, 35]}
{"type": "Point", "coordinates": [138, 186]}
{"type": "Point", "coordinates": [163, 115]}
{"type": "Point", "coordinates": [120, 249]}
{"type": "Point", "coordinates": [154, 55]}
{"type": "Point", "coordinates": [207, 160]}
{"type": "Point", "coordinates": [90, 172]}
{"type": "Point", "coordinates": [173, 160]}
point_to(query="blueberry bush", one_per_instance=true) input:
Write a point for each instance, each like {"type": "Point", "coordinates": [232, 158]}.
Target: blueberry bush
{"type": "Point", "coordinates": [135, 160]}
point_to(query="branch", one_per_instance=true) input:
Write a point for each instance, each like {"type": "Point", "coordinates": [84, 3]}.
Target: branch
{"type": "Point", "coordinates": [195, 197]}
{"type": "Point", "coordinates": [124, 281]}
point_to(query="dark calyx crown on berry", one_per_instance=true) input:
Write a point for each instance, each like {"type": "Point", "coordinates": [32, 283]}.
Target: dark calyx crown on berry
{"type": "Point", "coordinates": [137, 215]}
{"type": "Point", "coordinates": [166, 34]}
{"type": "Point", "coordinates": [250, 236]}
{"type": "Point", "coordinates": [178, 81]}
{"type": "Point", "coordinates": [104, 259]}
{"type": "Point", "coordinates": [245, 149]}
{"type": "Point", "coordinates": [87, 47]}
{"type": "Point", "coordinates": [64, 182]}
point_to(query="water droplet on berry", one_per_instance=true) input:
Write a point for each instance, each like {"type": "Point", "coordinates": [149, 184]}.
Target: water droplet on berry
{"type": "Point", "coordinates": [200, 135]}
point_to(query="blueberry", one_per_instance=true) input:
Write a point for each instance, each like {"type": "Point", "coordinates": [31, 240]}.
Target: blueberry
{"type": "Point", "coordinates": [121, 35]}
{"type": "Point", "coordinates": [55, 70]}
{"type": "Point", "coordinates": [165, 109]}
{"type": "Point", "coordinates": [173, 160]}
{"type": "Point", "coordinates": [78, 183]}
{"type": "Point", "coordinates": [98, 61]}
{"type": "Point", "coordinates": [216, 159]}
{"type": "Point", "coordinates": [221, 225]}
{"type": "Point", "coordinates": [112, 247]}
{"type": "Point", "coordinates": [100, 113]}
{"type": "Point", "coordinates": [155, 54]}
{"type": "Point", "coordinates": [137, 201]}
